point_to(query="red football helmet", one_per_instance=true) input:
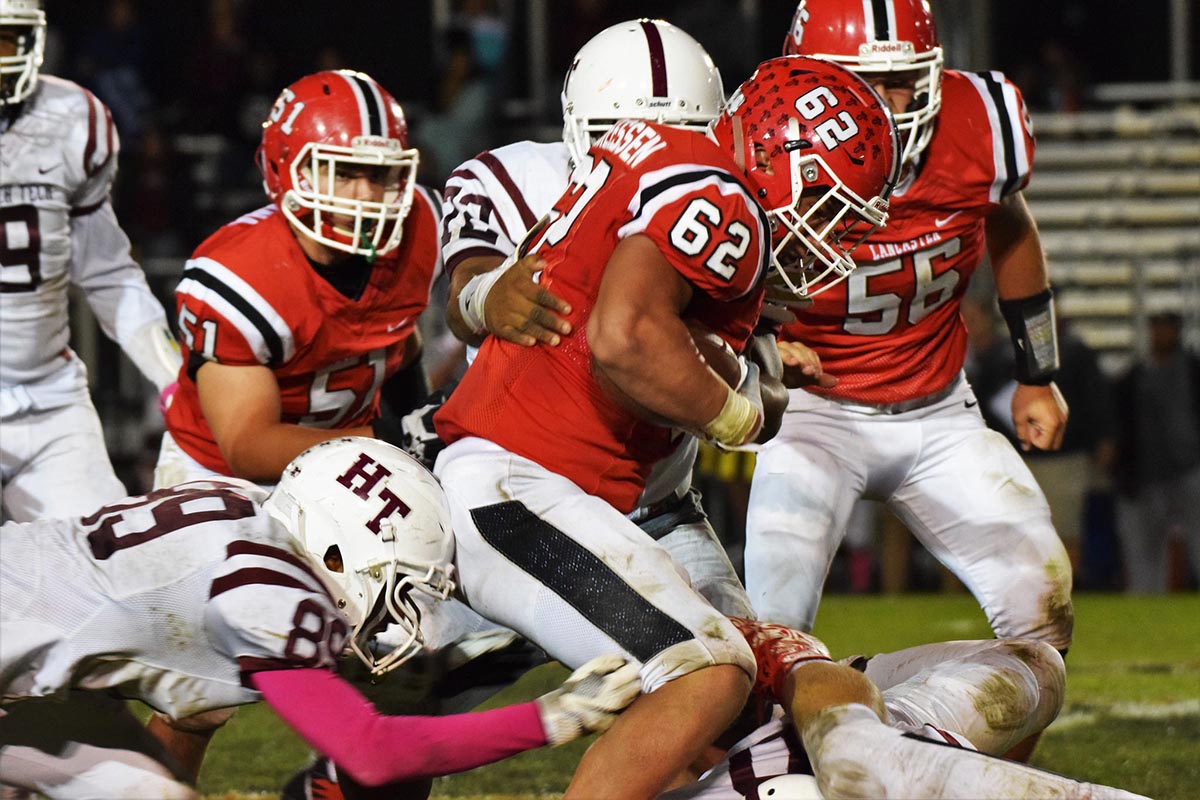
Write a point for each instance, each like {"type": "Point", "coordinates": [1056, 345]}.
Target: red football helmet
{"type": "Point", "coordinates": [323, 129]}
{"type": "Point", "coordinates": [875, 37]}
{"type": "Point", "coordinates": [822, 153]}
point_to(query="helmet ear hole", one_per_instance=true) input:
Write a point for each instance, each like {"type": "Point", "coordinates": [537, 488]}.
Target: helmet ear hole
{"type": "Point", "coordinates": [333, 559]}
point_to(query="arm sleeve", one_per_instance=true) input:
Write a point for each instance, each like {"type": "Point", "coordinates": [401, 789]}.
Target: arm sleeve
{"type": "Point", "coordinates": [116, 290]}
{"type": "Point", "coordinates": [374, 749]}
{"type": "Point", "coordinates": [483, 215]}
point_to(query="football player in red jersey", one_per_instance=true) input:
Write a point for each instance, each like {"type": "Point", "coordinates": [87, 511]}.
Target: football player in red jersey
{"type": "Point", "coordinates": [663, 227]}
{"type": "Point", "coordinates": [901, 424]}
{"type": "Point", "coordinates": [298, 317]}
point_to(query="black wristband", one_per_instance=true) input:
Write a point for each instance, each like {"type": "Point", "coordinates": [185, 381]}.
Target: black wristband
{"type": "Point", "coordinates": [1031, 327]}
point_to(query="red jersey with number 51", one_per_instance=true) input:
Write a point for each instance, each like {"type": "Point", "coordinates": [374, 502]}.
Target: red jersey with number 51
{"type": "Point", "coordinates": [891, 331]}
{"type": "Point", "coordinates": [250, 297]}
{"type": "Point", "coordinates": [686, 194]}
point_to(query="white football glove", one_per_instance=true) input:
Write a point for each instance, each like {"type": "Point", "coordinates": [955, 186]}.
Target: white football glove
{"type": "Point", "coordinates": [590, 699]}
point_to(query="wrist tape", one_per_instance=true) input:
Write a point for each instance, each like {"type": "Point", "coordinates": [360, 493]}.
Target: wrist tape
{"type": "Point", "coordinates": [737, 421]}
{"type": "Point", "coordinates": [474, 295]}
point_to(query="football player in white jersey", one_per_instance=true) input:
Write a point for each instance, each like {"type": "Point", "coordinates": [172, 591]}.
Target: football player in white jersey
{"type": "Point", "coordinates": [835, 732]}
{"type": "Point", "coordinates": [642, 69]}
{"type": "Point", "coordinates": [58, 157]}
{"type": "Point", "coordinates": [213, 594]}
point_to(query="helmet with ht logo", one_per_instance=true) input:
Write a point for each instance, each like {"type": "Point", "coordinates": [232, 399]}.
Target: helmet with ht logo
{"type": "Point", "coordinates": [639, 69]}
{"type": "Point", "coordinates": [892, 39]}
{"type": "Point", "coordinates": [376, 526]}
{"type": "Point", "coordinates": [22, 25]}
{"type": "Point", "coordinates": [821, 152]}
{"type": "Point", "coordinates": [323, 131]}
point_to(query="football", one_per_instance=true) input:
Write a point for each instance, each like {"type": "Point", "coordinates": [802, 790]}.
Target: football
{"type": "Point", "coordinates": [717, 353]}
{"type": "Point", "coordinates": [712, 348]}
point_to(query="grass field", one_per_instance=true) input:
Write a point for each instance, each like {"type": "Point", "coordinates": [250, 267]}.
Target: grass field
{"type": "Point", "coordinates": [1131, 719]}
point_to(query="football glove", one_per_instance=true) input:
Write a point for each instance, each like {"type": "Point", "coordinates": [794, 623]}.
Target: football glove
{"type": "Point", "coordinates": [590, 699]}
{"type": "Point", "coordinates": [414, 432]}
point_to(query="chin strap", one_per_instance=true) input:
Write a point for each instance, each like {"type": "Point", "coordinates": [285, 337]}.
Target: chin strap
{"type": "Point", "coordinates": [366, 242]}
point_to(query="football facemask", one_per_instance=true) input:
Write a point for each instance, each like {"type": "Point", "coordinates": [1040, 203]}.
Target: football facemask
{"type": "Point", "coordinates": [326, 135]}
{"type": "Point", "coordinates": [23, 31]}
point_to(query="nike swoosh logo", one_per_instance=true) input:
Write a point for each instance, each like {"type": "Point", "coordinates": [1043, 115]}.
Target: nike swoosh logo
{"type": "Point", "coordinates": [943, 220]}
{"type": "Point", "coordinates": [44, 170]}
{"type": "Point", "coordinates": [970, 404]}
{"type": "Point", "coordinates": [398, 325]}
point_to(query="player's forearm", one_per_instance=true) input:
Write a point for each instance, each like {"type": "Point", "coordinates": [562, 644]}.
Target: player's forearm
{"type": "Point", "coordinates": [154, 351]}
{"type": "Point", "coordinates": [374, 749]}
{"type": "Point", "coordinates": [653, 360]}
{"type": "Point", "coordinates": [260, 454]}
{"type": "Point", "coordinates": [467, 269]}
{"type": "Point", "coordinates": [113, 284]}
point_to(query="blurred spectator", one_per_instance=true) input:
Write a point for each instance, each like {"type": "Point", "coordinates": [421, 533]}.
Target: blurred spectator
{"type": "Point", "coordinates": [113, 62]}
{"type": "Point", "coordinates": [722, 27]}
{"type": "Point", "coordinates": [1158, 465]}
{"type": "Point", "coordinates": [217, 72]}
{"type": "Point", "coordinates": [468, 95]}
{"type": "Point", "coordinates": [1054, 81]}
{"type": "Point", "coordinates": [154, 197]}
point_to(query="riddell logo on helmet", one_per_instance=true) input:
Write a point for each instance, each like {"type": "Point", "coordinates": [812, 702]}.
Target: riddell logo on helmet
{"type": "Point", "coordinates": [886, 49]}
{"type": "Point", "coordinates": [374, 143]}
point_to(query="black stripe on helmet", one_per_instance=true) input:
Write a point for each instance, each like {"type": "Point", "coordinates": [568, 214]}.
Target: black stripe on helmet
{"type": "Point", "coordinates": [373, 104]}
{"type": "Point", "coordinates": [883, 31]}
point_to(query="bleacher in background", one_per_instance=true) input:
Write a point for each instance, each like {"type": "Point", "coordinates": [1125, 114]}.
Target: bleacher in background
{"type": "Point", "coordinates": [1116, 194]}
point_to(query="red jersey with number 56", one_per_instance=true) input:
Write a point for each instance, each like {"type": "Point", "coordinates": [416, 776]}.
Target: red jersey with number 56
{"type": "Point", "coordinates": [892, 332]}
{"type": "Point", "coordinates": [686, 194]}
{"type": "Point", "coordinates": [250, 297]}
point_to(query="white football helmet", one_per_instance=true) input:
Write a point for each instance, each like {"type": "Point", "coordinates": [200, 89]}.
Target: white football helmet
{"type": "Point", "coordinates": [24, 20]}
{"type": "Point", "coordinates": [375, 525]}
{"type": "Point", "coordinates": [638, 69]}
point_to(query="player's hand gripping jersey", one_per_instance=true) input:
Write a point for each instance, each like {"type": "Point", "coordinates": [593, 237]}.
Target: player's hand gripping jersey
{"type": "Point", "coordinates": [250, 297]}
{"type": "Point", "coordinates": [493, 199]}
{"type": "Point", "coordinates": [682, 191]}
{"type": "Point", "coordinates": [892, 332]}
{"type": "Point", "coordinates": [201, 561]}
{"type": "Point", "coordinates": [57, 163]}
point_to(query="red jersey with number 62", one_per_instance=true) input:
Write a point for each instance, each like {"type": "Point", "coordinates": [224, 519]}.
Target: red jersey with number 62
{"type": "Point", "coordinates": [892, 331]}
{"type": "Point", "coordinates": [686, 194]}
{"type": "Point", "coordinates": [250, 297]}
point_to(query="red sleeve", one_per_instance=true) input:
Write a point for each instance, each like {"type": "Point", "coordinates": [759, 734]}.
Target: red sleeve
{"type": "Point", "coordinates": [708, 228]}
{"type": "Point", "coordinates": [374, 749]}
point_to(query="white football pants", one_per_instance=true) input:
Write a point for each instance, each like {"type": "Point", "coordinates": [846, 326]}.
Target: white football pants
{"type": "Point", "coordinates": [961, 489]}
